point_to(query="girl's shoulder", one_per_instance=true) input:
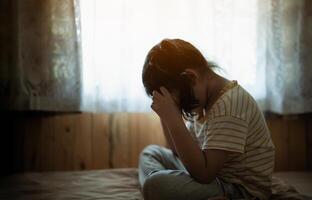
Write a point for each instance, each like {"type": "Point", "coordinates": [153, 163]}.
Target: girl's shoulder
{"type": "Point", "coordinates": [233, 102]}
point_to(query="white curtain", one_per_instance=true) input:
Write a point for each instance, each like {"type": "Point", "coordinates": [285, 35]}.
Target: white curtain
{"type": "Point", "coordinates": [264, 44]}
{"type": "Point", "coordinates": [288, 51]}
{"type": "Point", "coordinates": [117, 34]}
{"type": "Point", "coordinates": [40, 56]}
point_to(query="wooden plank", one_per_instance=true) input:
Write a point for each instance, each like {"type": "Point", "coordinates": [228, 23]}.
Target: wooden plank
{"type": "Point", "coordinates": [119, 140]}
{"type": "Point", "coordinates": [308, 121]}
{"type": "Point", "coordinates": [64, 137]}
{"type": "Point", "coordinates": [45, 147]}
{"type": "Point", "coordinates": [130, 134]}
{"type": "Point", "coordinates": [31, 129]}
{"type": "Point", "coordinates": [82, 151]}
{"type": "Point", "coordinates": [134, 120]}
{"type": "Point", "coordinates": [145, 129]}
{"type": "Point", "coordinates": [100, 141]}
{"type": "Point", "coordinates": [297, 145]}
{"type": "Point", "coordinates": [8, 152]}
{"type": "Point", "coordinates": [150, 130]}
{"type": "Point", "coordinates": [18, 142]}
{"type": "Point", "coordinates": [278, 129]}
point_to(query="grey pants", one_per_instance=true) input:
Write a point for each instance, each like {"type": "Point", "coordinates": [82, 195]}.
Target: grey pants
{"type": "Point", "coordinates": [163, 176]}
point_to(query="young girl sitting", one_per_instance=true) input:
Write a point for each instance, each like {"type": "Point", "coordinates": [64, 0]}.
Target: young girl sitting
{"type": "Point", "coordinates": [220, 145]}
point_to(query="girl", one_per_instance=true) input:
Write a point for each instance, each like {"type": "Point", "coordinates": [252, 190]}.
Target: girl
{"type": "Point", "coordinates": [220, 145]}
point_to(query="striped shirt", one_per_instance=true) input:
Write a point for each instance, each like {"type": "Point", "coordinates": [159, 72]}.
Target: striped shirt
{"type": "Point", "coordinates": [236, 124]}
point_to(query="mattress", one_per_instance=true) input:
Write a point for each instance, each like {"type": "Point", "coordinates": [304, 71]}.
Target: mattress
{"type": "Point", "coordinates": [301, 181]}
{"type": "Point", "coordinates": [113, 184]}
{"type": "Point", "coordinates": [109, 184]}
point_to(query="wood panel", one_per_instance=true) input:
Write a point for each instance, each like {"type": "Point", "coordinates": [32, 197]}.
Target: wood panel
{"type": "Point", "coordinates": [309, 141]}
{"type": "Point", "coordinates": [280, 138]}
{"type": "Point", "coordinates": [289, 136]}
{"type": "Point", "coordinates": [130, 134]}
{"type": "Point", "coordinates": [44, 142]}
{"type": "Point", "coordinates": [297, 145]}
{"type": "Point", "coordinates": [50, 141]}
{"type": "Point", "coordinates": [82, 144]}
{"type": "Point", "coordinates": [100, 141]}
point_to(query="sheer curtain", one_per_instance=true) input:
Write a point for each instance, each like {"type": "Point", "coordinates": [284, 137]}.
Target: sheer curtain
{"type": "Point", "coordinates": [116, 36]}
{"type": "Point", "coordinates": [264, 44]}
{"type": "Point", "coordinates": [288, 55]}
{"type": "Point", "coordinates": [40, 61]}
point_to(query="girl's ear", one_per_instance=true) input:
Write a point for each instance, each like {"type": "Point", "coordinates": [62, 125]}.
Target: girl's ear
{"type": "Point", "coordinates": [190, 74]}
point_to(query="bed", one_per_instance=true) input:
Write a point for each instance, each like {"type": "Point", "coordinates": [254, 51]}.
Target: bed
{"type": "Point", "coordinates": [112, 184]}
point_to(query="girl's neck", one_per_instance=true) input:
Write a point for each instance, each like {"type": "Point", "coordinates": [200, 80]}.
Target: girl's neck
{"type": "Point", "coordinates": [215, 84]}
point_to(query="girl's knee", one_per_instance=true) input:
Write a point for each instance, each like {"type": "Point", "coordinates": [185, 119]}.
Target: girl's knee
{"type": "Point", "coordinates": [151, 149]}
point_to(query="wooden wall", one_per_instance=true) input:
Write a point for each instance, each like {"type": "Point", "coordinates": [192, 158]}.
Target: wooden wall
{"type": "Point", "coordinates": [79, 141]}
{"type": "Point", "coordinates": [292, 138]}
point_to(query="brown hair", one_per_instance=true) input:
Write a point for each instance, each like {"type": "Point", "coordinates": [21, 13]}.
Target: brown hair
{"type": "Point", "coordinates": [165, 65]}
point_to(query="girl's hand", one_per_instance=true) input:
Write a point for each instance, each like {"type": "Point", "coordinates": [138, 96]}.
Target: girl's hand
{"type": "Point", "coordinates": [164, 105]}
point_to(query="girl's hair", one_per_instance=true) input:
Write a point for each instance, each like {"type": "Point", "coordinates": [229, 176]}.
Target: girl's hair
{"type": "Point", "coordinates": [165, 65]}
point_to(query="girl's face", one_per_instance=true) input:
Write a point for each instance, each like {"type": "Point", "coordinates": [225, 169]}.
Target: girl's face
{"type": "Point", "coordinates": [199, 90]}
{"type": "Point", "coordinates": [200, 93]}
{"type": "Point", "coordinates": [175, 97]}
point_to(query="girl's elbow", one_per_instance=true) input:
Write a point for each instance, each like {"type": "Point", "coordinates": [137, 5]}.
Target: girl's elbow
{"type": "Point", "coordinates": [204, 178]}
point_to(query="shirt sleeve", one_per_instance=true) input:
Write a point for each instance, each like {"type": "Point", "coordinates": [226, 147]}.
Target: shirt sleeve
{"type": "Point", "coordinates": [226, 133]}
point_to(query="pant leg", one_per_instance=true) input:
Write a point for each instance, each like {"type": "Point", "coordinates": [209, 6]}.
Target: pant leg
{"type": "Point", "coordinates": [177, 184]}
{"type": "Point", "coordinates": [163, 176]}
{"type": "Point", "coordinates": [155, 158]}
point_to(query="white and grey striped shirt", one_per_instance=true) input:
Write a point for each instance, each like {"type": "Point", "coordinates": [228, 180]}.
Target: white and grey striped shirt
{"type": "Point", "coordinates": [236, 124]}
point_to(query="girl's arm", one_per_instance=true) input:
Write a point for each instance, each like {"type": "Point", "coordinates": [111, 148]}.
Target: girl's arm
{"type": "Point", "coordinates": [168, 138]}
{"type": "Point", "coordinates": [202, 165]}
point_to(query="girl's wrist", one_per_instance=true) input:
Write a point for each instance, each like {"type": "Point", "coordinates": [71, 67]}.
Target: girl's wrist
{"type": "Point", "coordinates": [174, 120]}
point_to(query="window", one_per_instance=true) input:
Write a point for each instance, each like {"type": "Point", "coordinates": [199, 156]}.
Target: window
{"type": "Point", "coordinates": [116, 36]}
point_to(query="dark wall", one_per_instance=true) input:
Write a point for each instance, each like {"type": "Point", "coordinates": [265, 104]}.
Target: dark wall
{"type": "Point", "coordinates": [38, 141]}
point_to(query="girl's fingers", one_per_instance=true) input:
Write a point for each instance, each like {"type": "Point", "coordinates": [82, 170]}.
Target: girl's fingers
{"type": "Point", "coordinates": [156, 99]}
{"type": "Point", "coordinates": [164, 91]}
{"type": "Point", "coordinates": [167, 94]}
{"type": "Point", "coordinates": [153, 106]}
{"type": "Point", "coordinates": [156, 94]}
